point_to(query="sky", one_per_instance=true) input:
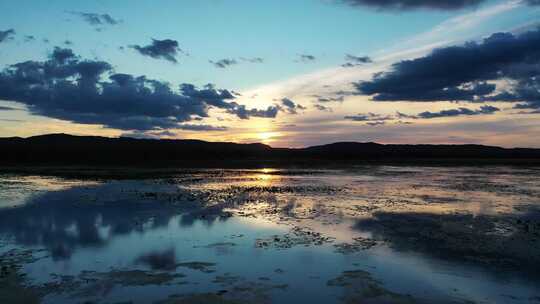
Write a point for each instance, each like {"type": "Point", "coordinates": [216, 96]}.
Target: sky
{"type": "Point", "coordinates": [285, 73]}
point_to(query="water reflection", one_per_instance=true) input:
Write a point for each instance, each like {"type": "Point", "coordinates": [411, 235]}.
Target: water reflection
{"type": "Point", "coordinates": [498, 242]}
{"type": "Point", "coordinates": [77, 217]}
{"type": "Point", "coordinates": [159, 260]}
{"type": "Point", "coordinates": [431, 233]}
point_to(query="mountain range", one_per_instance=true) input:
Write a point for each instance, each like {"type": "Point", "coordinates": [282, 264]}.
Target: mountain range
{"type": "Point", "coordinates": [64, 149]}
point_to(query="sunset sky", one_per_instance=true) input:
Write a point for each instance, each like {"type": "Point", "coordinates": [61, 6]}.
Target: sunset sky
{"type": "Point", "coordinates": [285, 73]}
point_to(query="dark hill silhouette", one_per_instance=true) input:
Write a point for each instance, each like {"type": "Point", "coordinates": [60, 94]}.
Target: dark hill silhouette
{"type": "Point", "coordinates": [64, 149]}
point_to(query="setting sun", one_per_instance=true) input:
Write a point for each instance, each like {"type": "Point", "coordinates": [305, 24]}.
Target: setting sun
{"type": "Point", "coordinates": [267, 136]}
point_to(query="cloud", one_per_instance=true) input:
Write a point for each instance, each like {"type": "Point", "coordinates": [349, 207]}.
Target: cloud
{"type": "Point", "coordinates": [227, 62]}
{"type": "Point", "coordinates": [466, 73]}
{"type": "Point", "coordinates": [458, 112]}
{"type": "Point", "coordinates": [375, 123]}
{"type": "Point", "coordinates": [224, 63]}
{"type": "Point", "coordinates": [376, 119]}
{"type": "Point", "coordinates": [369, 117]}
{"type": "Point", "coordinates": [290, 106]}
{"type": "Point", "coordinates": [456, 29]}
{"type": "Point", "coordinates": [358, 59]}
{"type": "Point", "coordinates": [97, 19]}
{"type": "Point", "coordinates": [191, 127]}
{"type": "Point", "coordinates": [322, 108]}
{"type": "Point", "coordinates": [243, 113]}
{"type": "Point", "coordinates": [6, 35]}
{"type": "Point", "coordinates": [151, 134]}
{"type": "Point", "coordinates": [306, 58]}
{"type": "Point", "coordinates": [253, 59]}
{"type": "Point", "coordinates": [407, 5]}
{"type": "Point", "coordinates": [69, 88]}
{"type": "Point", "coordinates": [140, 135]}
{"type": "Point", "coordinates": [29, 38]}
{"type": "Point", "coordinates": [166, 49]}
{"type": "Point", "coordinates": [325, 99]}
{"type": "Point", "coordinates": [2, 108]}
{"type": "Point", "coordinates": [460, 27]}
{"type": "Point", "coordinates": [403, 5]}
{"type": "Point", "coordinates": [353, 61]}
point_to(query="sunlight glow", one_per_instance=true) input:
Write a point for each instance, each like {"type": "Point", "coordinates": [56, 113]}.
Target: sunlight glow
{"type": "Point", "coordinates": [267, 137]}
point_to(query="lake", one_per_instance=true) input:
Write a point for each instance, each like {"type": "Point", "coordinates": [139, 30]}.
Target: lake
{"type": "Point", "coordinates": [363, 234]}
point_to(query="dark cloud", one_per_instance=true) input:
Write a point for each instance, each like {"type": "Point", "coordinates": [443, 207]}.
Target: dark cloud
{"type": "Point", "coordinates": [29, 38]}
{"type": "Point", "coordinates": [458, 112]}
{"type": "Point", "coordinates": [400, 5]}
{"type": "Point", "coordinates": [166, 49]}
{"type": "Point", "coordinates": [219, 99]}
{"type": "Point", "coordinates": [400, 115]}
{"type": "Point", "coordinates": [61, 56]}
{"type": "Point", "coordinates": [306, 58]}
{"type": "Point", "coordinates": [325, 99]}
{"type": "Point", "coordinates": [353, 61]}
{"type": "Point", "coordinates": [369, 117]}
{"type": "Point", "coordinates": [227, 62]}
{"type": "Point", "coordinates": [290, 106]}
{"type": "Point", "coordinates": [532, 2]}
{"type": "Point", "coordinates": [358, 59]}
{"type": "Point", "coordinates": [224, 63]}
{"type": "Point", "coordinates": [69, 88]}
{"type": "Point", "coordinates": [464, 73]}
{"type": "Point", "coordinates": [191, 127]}
{"type": "Point", "coordinates": [376, 119]}
{"type": "Point", "coordinates": [288, 103]}
{"type": "Point", "coordinates": [243, 113]}
{"type": "Point", "coordinates": [407, 5]}
{"type": "Point", "coordinates": [349, 65]}
{"type": "Point", "coordinates": [322, 108]}
{"type": "Point", "coordinates": [68, 42]}
{"type": "Point", "coordinates": [375, 123]}
{"type": "Point", "coordinates": [97, 19]}
{"type": "Point", "coordinates": [6, 35]}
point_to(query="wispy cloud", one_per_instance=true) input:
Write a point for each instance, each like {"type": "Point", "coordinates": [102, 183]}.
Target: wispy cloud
{"type": "Point", "coordinates": [405, 5]}
{"type": "Point", "coordinates": [324, 82]}
{"type": "Point", "coordinates": [228, 62]}
{"type": "Point", "coordinates": [374, 119]}
{"type": "Point", "coordinates": [305, 58]}
{"type": "Point", "coordinates": [95, 19]}
{"type": "Point", "coordinates": [224, 63]}
{"type": "Point", "coordinates": [459, 28]}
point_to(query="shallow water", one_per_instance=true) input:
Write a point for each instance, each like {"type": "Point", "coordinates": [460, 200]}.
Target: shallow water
{"type": "Point", "coordinates": [370, 234]}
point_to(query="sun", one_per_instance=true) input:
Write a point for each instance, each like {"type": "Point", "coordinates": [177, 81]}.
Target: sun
{"type": "Point", "coordinates": [266, 136]}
